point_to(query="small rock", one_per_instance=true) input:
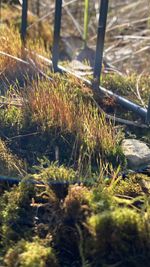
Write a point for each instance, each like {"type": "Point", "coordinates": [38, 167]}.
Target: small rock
{"type": "Point", "coordinates": [137, 153]}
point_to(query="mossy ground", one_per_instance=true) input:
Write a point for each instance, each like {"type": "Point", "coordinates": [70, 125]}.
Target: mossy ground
{"type": "Point", "coordinates": [81, 211]}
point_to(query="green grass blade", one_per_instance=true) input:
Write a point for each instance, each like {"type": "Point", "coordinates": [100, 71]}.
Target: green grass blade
{"type": "Point", "coordinates": [86, 22]}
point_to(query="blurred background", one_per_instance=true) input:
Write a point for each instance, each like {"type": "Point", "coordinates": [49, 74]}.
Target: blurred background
{"type": "Point", "coordinates": [127, 45]}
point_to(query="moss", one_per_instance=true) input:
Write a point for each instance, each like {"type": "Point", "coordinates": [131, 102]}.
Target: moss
{"type": "Point", "coordinates": [54, 172]}
{"type": "Point", "coordinates": [129, 186]}
{"type": "Point", "coordinates": [133, 87]}
{"type": "Point", "coordinates": [58, 177]}
{"type": "Point", "coordinates": [76, 203]}
{"type": "Point", "coordinates": [16, 213]}
{"type": "Point", "coordinates": [30, 254]}
{"type": "Point", "coordinates": [127, 86]}
{"type": "Point", "coordinates": [100, 200]}
{"type": "Point", "coordinates": [133, 185]}
{"type": "Point", "coordinates": [119, 237]}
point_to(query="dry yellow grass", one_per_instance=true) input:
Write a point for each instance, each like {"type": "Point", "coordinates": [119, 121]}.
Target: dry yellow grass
{"type": "Point", "coordinates": [10, 43]}
{"type": "Point", "coordinates": [11, 49]}
{"type": "Point", "coordinates": [15, 64]}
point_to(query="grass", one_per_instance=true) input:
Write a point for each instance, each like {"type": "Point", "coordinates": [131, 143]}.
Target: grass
{"type": "Point", "coordinates": [10, 165]}
{"type": "Point", "coordinates": [11, 15]}
{"type": "Point", "coordinates": [14, 61]}
{"type": "Point", "coordinates": [62, 106]}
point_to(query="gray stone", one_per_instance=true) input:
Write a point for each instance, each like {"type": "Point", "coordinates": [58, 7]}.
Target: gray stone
{"type": "Point", "coordinates": [137, 153]}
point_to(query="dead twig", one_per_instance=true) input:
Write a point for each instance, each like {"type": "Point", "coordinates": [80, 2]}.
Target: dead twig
{"type": "Point", "coordinates": [14, 57]}
{"type": "Point", "coordinates": [9, 104]}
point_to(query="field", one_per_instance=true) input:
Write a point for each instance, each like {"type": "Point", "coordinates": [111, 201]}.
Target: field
{"type": "Point", "coordinates": [68, 195]}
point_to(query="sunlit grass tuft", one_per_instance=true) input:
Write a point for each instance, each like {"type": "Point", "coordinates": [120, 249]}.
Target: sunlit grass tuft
{"type": "Point", "coordinates": [60, 104]}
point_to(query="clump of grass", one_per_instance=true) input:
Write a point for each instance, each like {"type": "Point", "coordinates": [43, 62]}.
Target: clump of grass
{"type": "Point", "coordinates": [57, 105]}
{"type": "Point", "coordinates": [51, 106]}
{"type": "Point", "coordinates": [11, 116]}
{"type": "Point", "coordinates": [9, 164]}
{"type": "Point", "coordinates": [11, 121]}
{"type": "Point", "coordinates": [10, 112]}
{"type": "Point", "coordinates": [10, 43]}
{"type": "Point", "coordinates": [97, 132]}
